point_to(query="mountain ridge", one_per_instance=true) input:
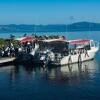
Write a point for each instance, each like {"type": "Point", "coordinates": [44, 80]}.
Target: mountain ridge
{"type": "Point", "coordinates": [78, 26]}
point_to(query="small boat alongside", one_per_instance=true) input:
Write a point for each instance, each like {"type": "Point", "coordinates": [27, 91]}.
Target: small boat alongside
{"type": "Point", "coordinates": [63, 52]}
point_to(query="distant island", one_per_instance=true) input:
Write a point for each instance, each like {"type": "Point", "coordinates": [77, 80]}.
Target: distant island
{"type": "Point", "coordinates": [79, 26]}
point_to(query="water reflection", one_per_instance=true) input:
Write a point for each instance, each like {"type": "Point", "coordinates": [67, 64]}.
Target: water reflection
{"type": "Point", "coordinates": [72, 74]}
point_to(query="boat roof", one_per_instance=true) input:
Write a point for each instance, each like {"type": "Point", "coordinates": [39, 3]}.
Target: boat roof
{"type": "Point", "coordinates": [79, 41]}
{"type": "Point", "coordinates": [25, 39]}
{"type": "Point", "coordinates": [54, 40]}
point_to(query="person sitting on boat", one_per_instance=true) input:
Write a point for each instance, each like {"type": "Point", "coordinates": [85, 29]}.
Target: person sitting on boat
{"type": "Point", "coordinates": [6, 51]}
{"type": "Point", "coordinates": [12, 52]}
{"type": "Point", "coordinates": [16, 50]}
{"type": "Point", "coordinates": [65, 51]}
{"type": "Point", "coordinates": [20, 49]}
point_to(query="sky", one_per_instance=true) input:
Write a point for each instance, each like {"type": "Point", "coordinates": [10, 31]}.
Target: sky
{"type": "Point", "coordinates": [48, 11]}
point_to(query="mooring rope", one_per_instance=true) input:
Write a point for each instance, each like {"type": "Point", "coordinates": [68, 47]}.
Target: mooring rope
{"type": "Point", "coordinates": [69, 60]}
{"type": "Point", "coordinates": [79, 58]}
{"type": "Point", "coordinates": [86, 54]}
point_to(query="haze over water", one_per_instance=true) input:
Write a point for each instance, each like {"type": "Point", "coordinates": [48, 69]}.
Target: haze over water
{"type": "Point", "coordinates": [75, 82]}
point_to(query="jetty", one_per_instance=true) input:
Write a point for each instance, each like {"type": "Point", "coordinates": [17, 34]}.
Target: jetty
{"type": "Point", "coordinates": [6, 61]}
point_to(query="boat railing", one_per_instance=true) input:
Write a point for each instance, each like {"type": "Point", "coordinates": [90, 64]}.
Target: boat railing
{"type": "Point", "coordinates": [59, 56]}
{"type": "Point", "coordinates": [76, 51]}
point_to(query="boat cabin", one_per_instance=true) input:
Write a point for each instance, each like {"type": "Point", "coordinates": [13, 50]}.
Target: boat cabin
{"type": "Point", "coordinates": [56, 45]}
{"type": "Point", "coordinates": [67, 47]}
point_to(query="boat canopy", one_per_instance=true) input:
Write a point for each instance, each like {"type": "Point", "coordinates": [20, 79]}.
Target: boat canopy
{"type": "Point", "coordinates": [54, 40]}
{"type": "Point", "coordinates": [78, 41]}
{"type": "Point", "coordinates": [25, 39]}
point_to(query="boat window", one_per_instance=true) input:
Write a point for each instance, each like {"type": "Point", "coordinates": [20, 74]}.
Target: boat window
{"type": "Point", "coordinates": [87, 46]}
{"type": "Point", "coordinates": [96, 44]}
{"type": "Point", "coordinates": [92, 44]}
{"type": "Point", "coordinates": [54, 46]}
{"type": "Point", "coordinates": [79, 46]}
{"type": "Point", "coordinates": [72, 46]}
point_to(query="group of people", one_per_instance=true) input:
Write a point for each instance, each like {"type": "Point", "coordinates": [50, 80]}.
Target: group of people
{"type": "Point", "coordinates": [7, 50]}
{"type": "Point", "coordinates": [43, 37]}
{"type": "Point", "coordinates": [12, 50]}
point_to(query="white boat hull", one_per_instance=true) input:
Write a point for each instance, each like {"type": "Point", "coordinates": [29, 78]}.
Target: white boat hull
{"type": "Point", "coordinates": [79, 57]}
{"type": "Point", "coordinates": [83, 51]}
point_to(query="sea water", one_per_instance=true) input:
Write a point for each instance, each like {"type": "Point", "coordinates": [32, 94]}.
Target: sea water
{"type": "Point", "coordinates": [74, 82]}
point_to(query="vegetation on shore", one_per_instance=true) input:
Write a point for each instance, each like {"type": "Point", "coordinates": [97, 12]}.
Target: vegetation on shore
{"type": "Point", "coordinates": [4, 42]}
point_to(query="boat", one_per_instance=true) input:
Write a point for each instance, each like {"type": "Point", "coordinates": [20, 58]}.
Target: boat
{"type": "Point", "coordinates": [63, 52]}
{"type": "Point", "coordinates": [28, 46]}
